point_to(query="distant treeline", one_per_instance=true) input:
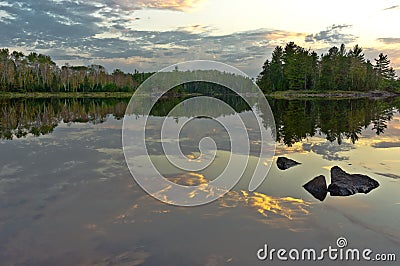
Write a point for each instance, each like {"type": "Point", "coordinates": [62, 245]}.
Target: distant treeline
{"type": "Point", "coordinates": [296, 68]}
{"type": "Point", "coordinates": [38, 73]}
{"type": "Point", "coordinates": [291, 68]}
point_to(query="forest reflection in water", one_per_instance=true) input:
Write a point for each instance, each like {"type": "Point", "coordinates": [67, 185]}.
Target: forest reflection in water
{"type": "Point", "coordinates": [295, 120]}
{"type": "Point", "coordinates": [68, 196]}
{"type": "Point", "coordinates": [336, 119]}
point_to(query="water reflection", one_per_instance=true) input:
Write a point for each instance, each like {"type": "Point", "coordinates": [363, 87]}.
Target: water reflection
{"type": "Point", "coordinates": [20, 117]}
{"type": "Point", "coordinates": [75, 179]}
{"type": "Point", "coordinates": [295, 120]}
{"type": "Point", "coordinates": [275, 211]}
{"type": "Point", "coordinates": [337, 120]}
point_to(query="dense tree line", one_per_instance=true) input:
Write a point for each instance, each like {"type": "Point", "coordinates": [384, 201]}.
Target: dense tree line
{"type": "Point", "coordinates": [200, 81]}
{"type": "Point", "coordinates": [290, 68]}
{"type": "Point", "coordinates": [295, 68]}
{"type": "Point", "coordinates": [38, 73]}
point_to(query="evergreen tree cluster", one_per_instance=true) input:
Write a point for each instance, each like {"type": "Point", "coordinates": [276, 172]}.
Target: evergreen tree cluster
{"type": "Point", "coordinates": [295, 68]}
{"type": "Point", "coordinates": [38, 73]}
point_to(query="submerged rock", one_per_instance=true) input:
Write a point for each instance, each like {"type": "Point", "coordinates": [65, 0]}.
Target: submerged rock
{"type": "Point", "coordinates": [344, 184]}
{"type": "Point", "coordinates": [284, 163]}
{"type": "Point", "coordinates": [317, 187]}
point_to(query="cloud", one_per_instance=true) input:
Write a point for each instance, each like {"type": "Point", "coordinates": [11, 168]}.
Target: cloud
{"type": "Point", "coordinates": [179, 5]}
{"type": "Point", "coordinates": [386, 144]}
{"type": "Point", "coordinates": [392, 7]}
{"type": "Point", "coordinates": [5, 17]}
{"type": "Point", "coordinates": [91, 33]}
{"type": "Point", "coordinates": [129, 5]}
{"type": "Point", "coordinates": [35, 21]}
{"type": "Point", "coordinates": [197, 29]}
{"type": "Point", "coordinates": [329, 151]}
{"type": "Point", "coordinates": [100, 31]}
{"type": "Point", "coordinates": [389, 40]}
{"type": "Point", "coordinates": [332, 35]}
{"type": "Point", "coordinates": [283, 35]}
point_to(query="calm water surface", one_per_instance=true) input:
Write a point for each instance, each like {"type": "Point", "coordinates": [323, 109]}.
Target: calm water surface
{"type": "Point", "coordinates": [67, 197]}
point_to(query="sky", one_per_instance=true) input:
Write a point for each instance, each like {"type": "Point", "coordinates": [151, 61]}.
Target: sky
{"type": "Point", "coordinates": [149, 35]}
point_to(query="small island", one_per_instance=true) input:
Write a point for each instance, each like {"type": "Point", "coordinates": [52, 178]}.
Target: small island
{"type": "Point", "coordinates": [294, 70]}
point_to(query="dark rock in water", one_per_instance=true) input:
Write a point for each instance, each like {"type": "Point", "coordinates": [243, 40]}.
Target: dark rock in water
{"type": "Point", "coordinates": [285, 163]}
{"type": "Point", "coordinates": [344, 184]}
{"type": "Point", "coordinates": [317, 187]}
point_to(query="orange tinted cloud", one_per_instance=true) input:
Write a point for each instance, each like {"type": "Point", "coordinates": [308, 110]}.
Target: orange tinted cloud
{"type": "Point", "coordinates": [279, 35]}
{"type": "Point", "coordinates": [179, 5]}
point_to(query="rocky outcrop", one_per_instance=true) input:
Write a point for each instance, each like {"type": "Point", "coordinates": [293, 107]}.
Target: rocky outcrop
{"type": "Point", "coordinates": [317, 187]}
{"type": "Point", "coordinates": [344, 184]}
{"type": "Point", "coordinates": [284, 163]}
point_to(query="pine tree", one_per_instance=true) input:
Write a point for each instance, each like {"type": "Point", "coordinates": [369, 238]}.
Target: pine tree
{"type": "Point", "coordinates": [278, 79]}
{"type": "Point", "coordinates": [384, 72]}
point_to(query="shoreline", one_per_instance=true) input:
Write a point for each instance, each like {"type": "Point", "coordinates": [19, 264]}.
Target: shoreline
{"type": "Point", "coordinates": [289, 95]}
{"type": "Point", "coordinates": [37, 95]}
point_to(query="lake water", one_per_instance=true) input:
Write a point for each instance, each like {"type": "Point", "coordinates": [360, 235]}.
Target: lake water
{"type": "Point", "coordinates": [67, 196]}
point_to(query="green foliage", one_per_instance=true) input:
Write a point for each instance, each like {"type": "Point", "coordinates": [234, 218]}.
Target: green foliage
{"type": "Point", "coordinates": [38, 73]}
{"type": "Point", "coordinates": [295, 68]}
